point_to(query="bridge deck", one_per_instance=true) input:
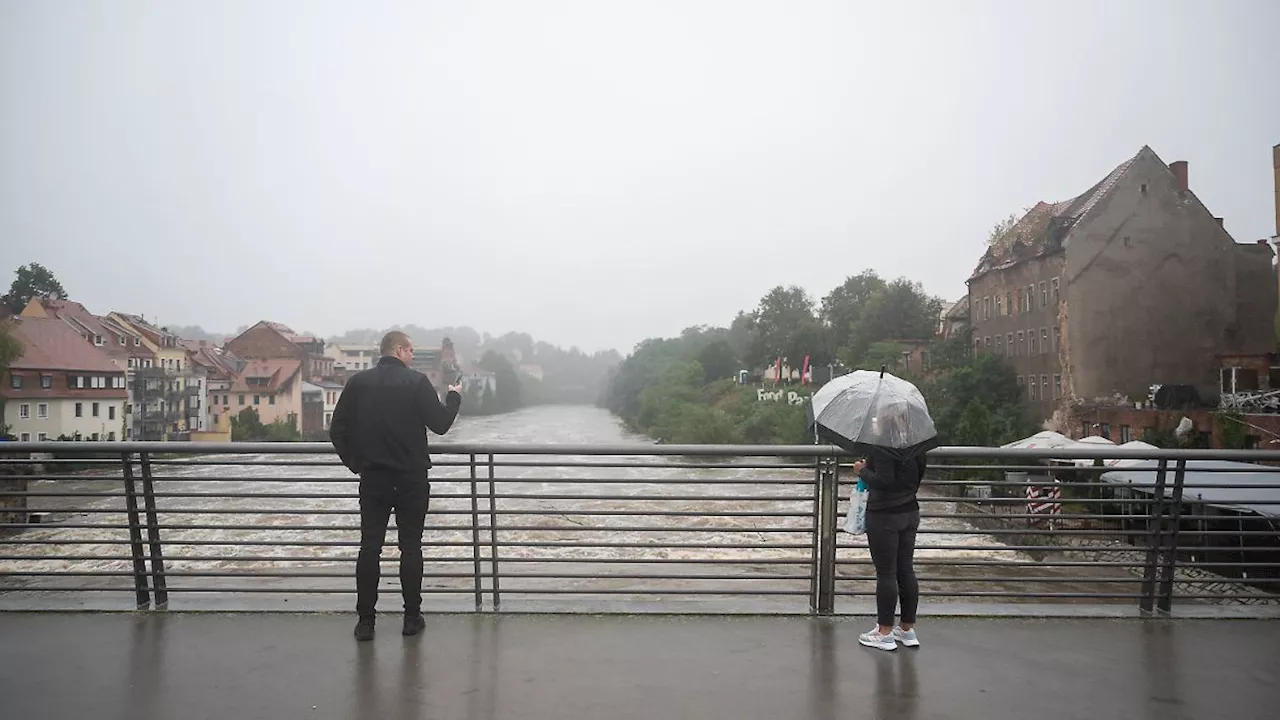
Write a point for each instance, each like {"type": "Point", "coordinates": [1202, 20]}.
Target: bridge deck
{"type": "Point", "coordinates": [264, 665]}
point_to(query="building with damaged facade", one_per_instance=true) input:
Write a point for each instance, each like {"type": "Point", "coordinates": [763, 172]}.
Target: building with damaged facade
{"type": "Point", "coordinates": [1131, 284]}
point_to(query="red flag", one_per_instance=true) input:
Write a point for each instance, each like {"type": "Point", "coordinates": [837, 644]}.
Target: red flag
{"type": "Point", "coordinates": [777, 375]}
{"type": "Point", "coordinates": [804, 371]}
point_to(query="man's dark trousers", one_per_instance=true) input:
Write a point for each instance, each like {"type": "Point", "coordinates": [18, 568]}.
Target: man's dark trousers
{"type": "Point", "coordinates": [409, 497]}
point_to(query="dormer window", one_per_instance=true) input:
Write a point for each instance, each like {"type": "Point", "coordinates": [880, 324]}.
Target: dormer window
{"type": "Point", "coordinates": [97, 340]}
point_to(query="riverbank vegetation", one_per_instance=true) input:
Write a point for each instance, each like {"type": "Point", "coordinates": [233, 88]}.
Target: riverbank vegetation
{"type": "Point", "coordinates": [683, 389]}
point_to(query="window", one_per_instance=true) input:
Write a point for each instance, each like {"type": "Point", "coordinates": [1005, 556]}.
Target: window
{"type": "Point", "coordinates": [1022, 344]}
{"type": "Point", "coordinates": [1057, 386]}
{"type": "Point", "coordinates": [24, 411]}
{"type": "Point", "coordinates": [1044, 295]}
{"type": "Point", "coordinates": [1106, 431]}
{"type": "Point", "coordinates": [986, 343]}
{"type": "Point", "coordinates": [137, 341]}
{"type": "Point", "coordinates": [121, 337]}
{"type": "Point", "coordinates": [257, 399]}
{"type": "Point", "coordinates": [999, 309]}
{"type": "Point", "coordinates": [1031, 340]}
{"type": "Point", "coordinates": [1021, 381]}
{"type": "Point", "coordinates": [42, 410]}
{"type": "Point", "coordinates": [1044, 387]}
{"type": "Point", "coordinates": [1044, 340]}
{"type": "Point", "coordinates": [999, 351]}
{"type": "Point", "coordinates": [99, 382]}
{"type": "Point", "coordinates": [46, 381]}
{"type": "Point", "coordinates": [117, 382]}
{"type": "Point", "coordinates": [97, 340]}
{"type": "Point", "coordinates": [15, 382]}
{"type": "Point", "coordinates": [1125, 434]}
{"type": "Point", "coordinates": [1008, 303]}
{"type": "Point", "coordinates": [79, 409]}
{"type": "Point", "coordinates": [1031, 297]}
{"type": "Point", "coordinates": [42, 437]}
{"type": "Point", "coordinates": [977, 346]}
{"type": "Point", "coordinates": [111, 436]}
{"type": "Point", "coordinates": [1031, 387]}
{"type": "Point", "coordinates": [271, 399]}
{"type": "Point", "coordinates": [226, 399]}
{"type": "Point", "coordinates": [986, 308]}
{"type": "Point", "coordinates": [95, 409]}
{"type": "Point", "coordinates": [1084, 429]}
{"type": "Point", "coordinates": [241, 398]}
{"type": "Point", "coordinates": [111, 412]}
{"type": "Point", "coordinates": [1053, 290]}
{"type": "Point", "coordinates": [1057, 337]}
{"type": "Point", "coordinates": [25, 437]}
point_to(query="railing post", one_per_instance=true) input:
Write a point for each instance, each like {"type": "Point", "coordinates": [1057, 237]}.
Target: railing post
{"type": "Point", "coordinates": [830, 490]}
{"type": "Point", "coordinates": [815, 563]}
{"type": "Point", "coordinates": [493, 539]}
{"type": "Point", "coordinates": [1155, 522]}
{"type": "Point", "coordinates": [135, 534]}
{"type": "Point", "coordinates": [475, 533]}
{"type": "Point", "coordinates": [1168, 567]}
{"type": "Point", "coordinates": [153, 534]}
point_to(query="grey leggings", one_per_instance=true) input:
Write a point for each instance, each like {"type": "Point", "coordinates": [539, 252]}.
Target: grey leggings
{"type": "Point", "coordinates": [892, 539]}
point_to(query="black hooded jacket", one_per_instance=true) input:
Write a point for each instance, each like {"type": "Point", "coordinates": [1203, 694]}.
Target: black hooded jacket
{"type": "Point", "coordinates": [381, 421]}
{"type": "Point", "coordinates": [892, 483]}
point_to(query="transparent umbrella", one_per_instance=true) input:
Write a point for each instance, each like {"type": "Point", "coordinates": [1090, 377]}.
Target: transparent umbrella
{"type": "Point", "coordinates": [866, 409]}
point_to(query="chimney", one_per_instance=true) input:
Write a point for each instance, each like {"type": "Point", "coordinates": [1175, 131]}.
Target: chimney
{"type": "Point", "coordinates": [1275, 162]}
{"type": "Point", "coordinates": [1179, 170]}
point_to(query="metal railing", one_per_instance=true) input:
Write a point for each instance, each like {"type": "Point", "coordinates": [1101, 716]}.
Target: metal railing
{"type": "Point", "coordinates": [730, 527]}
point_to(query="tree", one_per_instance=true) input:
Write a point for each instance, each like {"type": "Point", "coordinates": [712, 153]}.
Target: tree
{"type": "Point", "coordinates": [785, 325]}
{"type": "Point", "coordinates": [866, 310]}
{"type": "Point", "coordinates": [717, 360]}
{"type": "Point", "coordinates": [33, 280]}
{"type": "Point", "coordinates": [978, 403]}
{"type": "Point", "coordinates": [246, 426]}
{"type": "Point", "coordinates": [999, 234]}
{"type": "Point", "coordinates": [10, 347]}
{"type": "Point", "coordinates": [507, 395]}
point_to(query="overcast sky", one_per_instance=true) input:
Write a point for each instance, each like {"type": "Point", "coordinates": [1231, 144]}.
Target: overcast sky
{"type": "Point", "coordinates": [591, 172]}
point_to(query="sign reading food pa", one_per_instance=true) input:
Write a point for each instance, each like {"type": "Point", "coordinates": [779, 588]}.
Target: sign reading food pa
{"type": "Point", "coordinates": [791, 396]}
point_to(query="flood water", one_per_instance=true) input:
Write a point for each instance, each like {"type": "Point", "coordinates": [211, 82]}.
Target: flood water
{"type": "Point", "coordinates": [551, 520]}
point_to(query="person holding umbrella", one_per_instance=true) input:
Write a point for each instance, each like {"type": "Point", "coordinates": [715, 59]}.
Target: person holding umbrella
{"type": "Point", "coordinates": [885, 419]}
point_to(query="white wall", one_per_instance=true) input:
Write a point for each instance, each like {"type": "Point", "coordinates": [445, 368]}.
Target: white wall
{"type": "Point", "coordinates": [62, 418]}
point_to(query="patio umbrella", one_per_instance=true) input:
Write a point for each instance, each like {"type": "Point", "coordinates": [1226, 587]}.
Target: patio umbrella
{"type": "Point", "coordinates": [866, 409]}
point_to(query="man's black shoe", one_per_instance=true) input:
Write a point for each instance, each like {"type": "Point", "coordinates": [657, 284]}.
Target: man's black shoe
{"type": "Point", "coordinates": [364, 629]}
{"type": "Point", "coordinates": [413, 623]}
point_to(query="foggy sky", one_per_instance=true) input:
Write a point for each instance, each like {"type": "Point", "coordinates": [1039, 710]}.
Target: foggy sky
{"type": "Point", "coordinates": [590, 172]}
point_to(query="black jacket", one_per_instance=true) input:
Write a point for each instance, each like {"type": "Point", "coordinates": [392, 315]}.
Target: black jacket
{"type": "Point", "coordinates": [380, 423]}
{"type": "Point", "coordinates": [891, 483]}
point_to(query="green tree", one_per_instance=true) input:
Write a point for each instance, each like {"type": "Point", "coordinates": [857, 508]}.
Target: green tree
{"type": "Point", "coordinates": [978, 403]}
{"type": "Point", "coordinates": [33, 280]}
{"type": "Point", "coordinates": [717, 360]}
{"type": "Point", "coordinates": [246, 426]}
{"type": "Point", "coordinates": [785, 325]}
{"type": "Point", "coordinates": [865, 310]}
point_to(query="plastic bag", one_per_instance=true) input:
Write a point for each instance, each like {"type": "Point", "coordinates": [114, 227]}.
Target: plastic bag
{"type": "Point", "coordinates": [855, 521]}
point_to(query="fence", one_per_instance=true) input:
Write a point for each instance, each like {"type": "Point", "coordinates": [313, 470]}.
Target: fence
{"type": "Point", "coordinates": [553, 526]}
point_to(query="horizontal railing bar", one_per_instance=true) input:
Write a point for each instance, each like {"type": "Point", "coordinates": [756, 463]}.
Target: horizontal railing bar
{"type": "Point", "coordinates": [997, 594]}
{"type": "Point", "coordinates": [460, 543]}
{"type": "Point", "coordinates": [168, 449]}
{"type": "Point", "coordinates": [426, 575]}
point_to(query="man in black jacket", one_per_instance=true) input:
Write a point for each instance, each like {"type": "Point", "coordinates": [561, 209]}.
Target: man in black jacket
{"type": "Point", "coordinates": [380, 432]}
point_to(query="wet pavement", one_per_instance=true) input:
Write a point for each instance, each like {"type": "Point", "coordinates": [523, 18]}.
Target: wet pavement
{"type": "Point", "coordinates": [263, 665]}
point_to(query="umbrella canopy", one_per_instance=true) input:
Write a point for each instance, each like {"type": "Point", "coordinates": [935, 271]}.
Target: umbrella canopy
{"type": "Point", "coordinates": [865, 409]}
{"type": "Point", "coordinates": [1042, 439]}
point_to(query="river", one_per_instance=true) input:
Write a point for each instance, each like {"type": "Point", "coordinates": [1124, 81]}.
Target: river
{"type": "Point", "coordinates": [603, 512]}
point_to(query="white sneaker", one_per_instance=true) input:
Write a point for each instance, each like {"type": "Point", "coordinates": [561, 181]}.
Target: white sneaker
{"type": "Point", "coordinates": [875, 640]}
{"type": "Point", "coordinates": [906, 637]}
